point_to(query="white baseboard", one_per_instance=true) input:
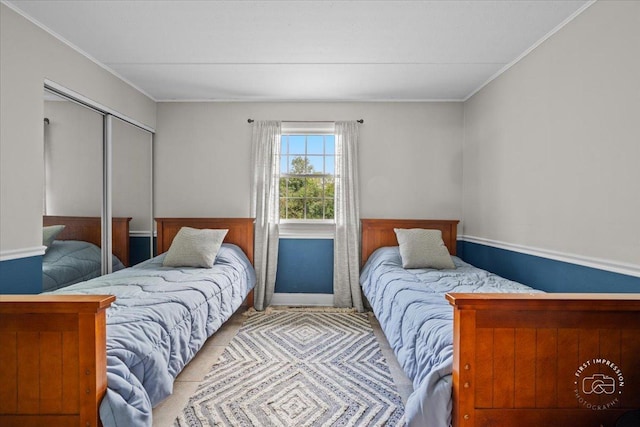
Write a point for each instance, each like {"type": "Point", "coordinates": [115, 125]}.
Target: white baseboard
{"type": "Point", "coordinates": [325, 300]}
{"type": "Point", "coordinates": [600, 264]}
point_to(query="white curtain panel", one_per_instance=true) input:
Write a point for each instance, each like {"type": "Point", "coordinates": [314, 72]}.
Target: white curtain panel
{"type": "Point", "coordinates": [264, 207]}
{"type": "Point", "coordinates": [346, 258]}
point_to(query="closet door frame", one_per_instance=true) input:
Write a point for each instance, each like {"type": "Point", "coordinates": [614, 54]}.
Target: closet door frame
{"type": "Point", "coordinates": [107, 164]}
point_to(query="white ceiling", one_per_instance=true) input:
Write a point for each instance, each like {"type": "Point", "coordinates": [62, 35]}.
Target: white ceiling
{"type": "Point", "coordinates": [303, 50]}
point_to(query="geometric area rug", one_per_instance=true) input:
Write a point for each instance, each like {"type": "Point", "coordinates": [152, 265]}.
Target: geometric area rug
{"type": "Point", "coordinates": [298, 368]}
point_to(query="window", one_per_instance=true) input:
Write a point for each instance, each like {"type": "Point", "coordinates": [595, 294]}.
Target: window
{"type": "Point", "coordinates": [307, 168]}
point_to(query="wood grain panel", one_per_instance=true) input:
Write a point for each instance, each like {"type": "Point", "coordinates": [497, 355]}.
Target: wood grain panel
{"type": "Point", "coordinates": [92, 379]}
{"type": "Point", "coordinates": [19, 305]}
{"type": "Point", "coordinates": [464, 367]}
{"type": "Point", "coordinates": [629, 362]}
{"type": "Point", "coordinates": [546, 368]}
{"type": "Point", "coordinates": [42, 385]}
{"type": "Point", "coordinates": [40, 421]}
{"type": "Point", "coordinates": [70, 370]}
{"type": "Point", "coordinates": [556, 320]}
{"type": "Point", "coordinates": [610, 350]}
{"type": "Point", "coordinates": [32, 322]}
{"type": "Point", "coordinates": [28, 358]}
{"type": "Point", "coordinates": [120, 240]}
{"type": "Point", "coordinates": [610, 343]}
{"type": "Point", "coordinates": [546, 418]}
{"type": "Point", "coordinates": [50, 372]}
{"type": "Point", "coordinates": [504, 367]}
{"type": "Point", "coordinates": [525, 368]}
{"type": "Point", "coordinates": [583, 306]}
{"type": "Point", "coordinates": [589, 344]}
{"type": "Point", "coordinates": [568, 362]}
{"type": "Point", "coordinates": [8, 372]}
{"type": "Point", "coordinates": [484, 372]}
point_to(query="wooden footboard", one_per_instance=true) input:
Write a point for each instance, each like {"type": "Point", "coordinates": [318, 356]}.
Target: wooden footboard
{"type": "Point", "coordinates": [545, 359]}
{"type": "Point", "coordinates": [52, 359]}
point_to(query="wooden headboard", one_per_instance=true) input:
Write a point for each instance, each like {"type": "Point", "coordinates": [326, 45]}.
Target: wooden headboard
{"type": "Point", "coordinates": [89, 229]}
{"type": "Point", "coordinates": [377, 233]}
{"type": "Point", "coordinates": [240, 231]}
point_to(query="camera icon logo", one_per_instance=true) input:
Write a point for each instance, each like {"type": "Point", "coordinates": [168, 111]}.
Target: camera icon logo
{"type": "Point", "coordinates": [598, 384]}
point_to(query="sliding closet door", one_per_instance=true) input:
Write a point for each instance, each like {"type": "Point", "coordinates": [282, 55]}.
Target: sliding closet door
{"type": "Point", "coordinates": [131, 186]}
{"type": "Point", "coordinates": [73, 158]}
{"type": "Point", "coordinates": [73, 189]}
{"type": "Point", "coordinates": [98, 166]}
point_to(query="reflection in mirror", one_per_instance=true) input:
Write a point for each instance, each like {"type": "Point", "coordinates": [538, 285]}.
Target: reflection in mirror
{"type": "Point", "coordinates": [131, 185]}
{"type": "Point", "coordinates": [72, 205]}
{"type": "Point", "coordinates": [73, 158]}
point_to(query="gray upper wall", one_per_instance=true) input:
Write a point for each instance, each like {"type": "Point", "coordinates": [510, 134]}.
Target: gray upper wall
{"type": "Point", "coordinates": [552, 146]}
{"type": "Point", "coordinates": [28, 56]}
{"type": "Point", "coordinates": [545, 156]}
{"type": "Point", "coordinates": [410, 156]}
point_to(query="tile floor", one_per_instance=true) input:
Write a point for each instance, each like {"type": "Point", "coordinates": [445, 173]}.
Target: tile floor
{"type": "Point", "coordinates": [189, 379]}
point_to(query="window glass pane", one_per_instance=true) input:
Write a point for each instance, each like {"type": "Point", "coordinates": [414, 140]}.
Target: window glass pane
{"type": "Point", "coordinates": [315, 164]}
{"type": "Point", "coordinates": [307, 197]}
{"type": "Point", "coordinates": [315, 144]}
{"type": "Point", "coordinates": [295, 187]}
{"type": "Point", "coordinates": [283, 187]}
{"type": "Point", "coordinates": [295, 209]}
{"type": "Point", "coordinates": [296, 144]}
{"type": "Point", "coordinates": [330, 144]}
{"type": "Point", "coordinates": [328, 209]}
{"type": "Point", "coordinates": [315, 187]}
{"type": "Point", "coordinates": [329, 189]}
{"type": "Point", "coordinates": [315, 209]}
{"type": "Point", "coordinates": [329, 165]}
{"type": "Point", "coordinates": [299, 165]}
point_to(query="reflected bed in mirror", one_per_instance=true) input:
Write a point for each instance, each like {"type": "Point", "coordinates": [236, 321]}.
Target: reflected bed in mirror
{"type": "Point", "coordinates": [75, 254]}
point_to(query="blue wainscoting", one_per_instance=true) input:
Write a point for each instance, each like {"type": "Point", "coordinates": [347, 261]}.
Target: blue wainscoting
{"type": "Point", "coordinates": [21, 276]}
{"type": "Point", "coordinates": [543, 273]}
{"type": "Point", "coordinates": [305, 266]}
{"type": "Point", "coordinates": [139, 249]}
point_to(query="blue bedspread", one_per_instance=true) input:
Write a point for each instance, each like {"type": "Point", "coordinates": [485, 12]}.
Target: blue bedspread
{"type": "Point", "coordinates": [161, 317]}
{"type": "Point", "coordinates": [418, 323]}
{"type": "Point", "coordinates": [72, 261]}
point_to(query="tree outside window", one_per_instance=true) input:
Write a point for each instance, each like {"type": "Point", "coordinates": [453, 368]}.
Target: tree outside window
{"type": "Point", "coordinates": [307, 177]}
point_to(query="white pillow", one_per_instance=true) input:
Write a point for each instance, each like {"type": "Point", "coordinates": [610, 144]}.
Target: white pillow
{"type": "Point", "coordinates": [422, 248]}
{"type": "Point", "coordinates": [49, 234]}
{"type": "Point", "coordinates": [193, 247]}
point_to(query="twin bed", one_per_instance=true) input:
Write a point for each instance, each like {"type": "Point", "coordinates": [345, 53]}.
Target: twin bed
{"type": "Point", "coordinates": [68, 361]}
{"type": "Point", "coordinates": [485, 351]}
{"type": "Point", "coordinates": [478, 359]}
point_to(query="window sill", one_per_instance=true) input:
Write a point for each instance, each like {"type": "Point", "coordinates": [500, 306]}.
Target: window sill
{"type": "Point", "coordinates": [307, 230]}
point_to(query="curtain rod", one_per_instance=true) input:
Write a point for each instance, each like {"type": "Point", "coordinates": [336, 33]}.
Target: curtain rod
{"type": "Point", "coordinates": [306, 121]}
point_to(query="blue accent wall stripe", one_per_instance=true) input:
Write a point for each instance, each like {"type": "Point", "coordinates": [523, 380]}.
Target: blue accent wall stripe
{"type": "Point", "coordinates": [546, 274]}
{"type": "Point", "coordinates": [21, 276]}
{"type": "Point", "coordinates": [305, 266]}
{"type": "Point", "coordinates": [139, 249]}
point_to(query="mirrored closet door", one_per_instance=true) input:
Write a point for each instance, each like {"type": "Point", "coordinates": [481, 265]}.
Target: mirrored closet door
{"type": "Point", "coordinates": [97, 207]}
{"type": "Point", "coordinates": [131, 186]}
{"type": "Point", "coordinates": [72, 204]}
